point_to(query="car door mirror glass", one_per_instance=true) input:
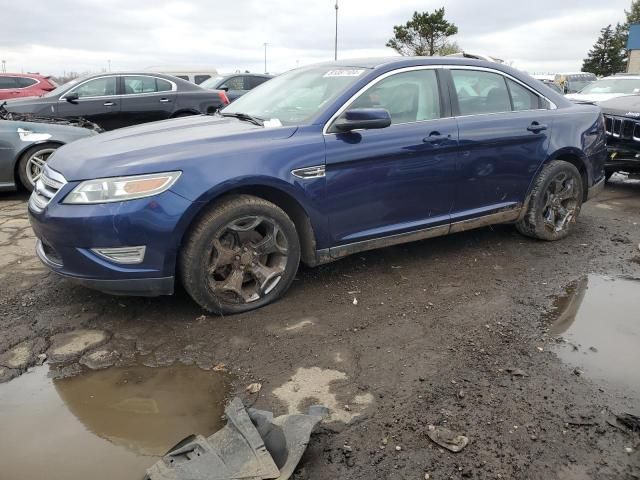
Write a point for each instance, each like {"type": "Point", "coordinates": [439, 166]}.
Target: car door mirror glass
{"type": "Point", "coordinates": [224, 87]}
{"type": "Point", "coordinates": [363, 118]}
{"type": "Point", "coordinates": [72, 97]}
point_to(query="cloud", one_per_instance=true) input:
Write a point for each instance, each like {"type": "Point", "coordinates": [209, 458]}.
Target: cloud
{"type": "Point", "coordinates": [83, 35]}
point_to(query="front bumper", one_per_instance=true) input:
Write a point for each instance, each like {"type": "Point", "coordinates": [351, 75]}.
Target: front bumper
{"type": "Point", "coordinates": [68, 233]}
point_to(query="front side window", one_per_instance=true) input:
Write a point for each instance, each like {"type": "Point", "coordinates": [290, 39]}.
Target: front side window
{"type": "Point", "coordinates": [522, 98]}
{"type": "Point", "coordinates": [408, 96]}
{"type": "Point", "coordinates": [234, 83]}
{"type": "Point", "coordinates": [480, 92]}
{"type": "Point", "coordinates": [98, 87]}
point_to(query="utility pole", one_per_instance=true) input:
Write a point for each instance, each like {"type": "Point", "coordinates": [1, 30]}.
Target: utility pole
{"type": "Point", "coordinates": [109, 64]}
{"type": "Point", "coordinates": [335, 49]}
{"type": "Point", "coordinates": [265, 57]}
{"type": "Point", "coordinates": [4, 66]}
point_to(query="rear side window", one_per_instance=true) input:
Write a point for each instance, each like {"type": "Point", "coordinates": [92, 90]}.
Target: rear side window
{"type": "Point", "coordinates": [201, 78]}
{"type": "Point", "coordinates": [408, 96]}
{"type": "Point", "coordinates": [8, 82]}
{"type": "Point", "coordinates": [255, 81]}
{"type": "Point", "coordinates": [481, 92]}
{"type": "Point", "coordinates": [25, 82]}
{"type": "Point", "coordinates": [163, 85]}
{"type": "Point", "coordinates": [183, 77]}
{"type": "Point", "coordinates": [522, 98]}
{"type": "Point", "coordinates": [139, 84]}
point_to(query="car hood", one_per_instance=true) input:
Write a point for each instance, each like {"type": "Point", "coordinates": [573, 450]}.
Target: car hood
{"type": "Point", "coordinates": [158, 146]}
{"type": "Point", "coordinates": [594, 97]}
{"type": "Point", "coordinates": [628, 106]}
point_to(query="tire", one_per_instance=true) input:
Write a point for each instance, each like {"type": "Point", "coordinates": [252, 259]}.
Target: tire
{"type": "Point", "coordinates": [554, 203]}
{"type": "Point", "coordinates": [28, 172]}
{"type": "Point", "coordinates": [224, 264]}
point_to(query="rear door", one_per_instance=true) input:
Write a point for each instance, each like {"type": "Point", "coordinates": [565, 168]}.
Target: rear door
{"type": "Point", "coordinates": [504, 129]}
{"type": "Point", "coordinates": [397, 179]}
{"type": "Point", "coordinates": [146, 99]}
{"type": "Point", "coordinates": [98, 101]}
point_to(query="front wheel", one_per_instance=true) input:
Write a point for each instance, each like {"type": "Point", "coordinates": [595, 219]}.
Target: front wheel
{"type": "Point", "coordinates": [555, 202]}
{"type": "Point", "coordinates": [241, 255]}
{"type": "Point", "coordinates": [32, 164]}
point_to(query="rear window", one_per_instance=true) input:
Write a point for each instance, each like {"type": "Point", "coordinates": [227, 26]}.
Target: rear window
{"type": "Point", "coordinates": [201, 78]}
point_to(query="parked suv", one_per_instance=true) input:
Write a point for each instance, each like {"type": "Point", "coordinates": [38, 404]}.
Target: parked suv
{"type": "Point", "coordinates": [17, 85]}
{"type": "Point", "coordinates": [622, 123]}
{"type": "Point", "coordinates": [316, 164]}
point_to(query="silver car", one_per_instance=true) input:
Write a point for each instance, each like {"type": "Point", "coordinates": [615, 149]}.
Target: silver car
{"type": "Point", "coordinates": [26, 143]}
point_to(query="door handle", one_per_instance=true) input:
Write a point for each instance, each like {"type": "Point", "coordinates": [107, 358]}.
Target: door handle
{"type": "Point", "coordinates": [436, 138]}
{"type": "Point", "coordinates": [164, 100]}
{"type": "Point", "coordinates": [109, 104]}
{"type": "Point", "coordinates": [536, 127]}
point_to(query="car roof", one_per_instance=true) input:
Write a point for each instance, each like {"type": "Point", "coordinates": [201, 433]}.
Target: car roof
{"type": "Point", "coordinates": [23, 75]}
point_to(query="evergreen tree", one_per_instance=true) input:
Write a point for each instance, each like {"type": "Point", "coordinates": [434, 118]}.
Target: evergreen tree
{"type": "Point", "coordinates": [425, 34]}
{"type": "Point", "coordinates": [607, 56]}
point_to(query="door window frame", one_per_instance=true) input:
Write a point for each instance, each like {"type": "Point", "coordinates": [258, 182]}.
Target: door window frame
{"type": "Point", "coordinates": [454, 95]}
{"type": "Point", "coordinates": [443, 95]}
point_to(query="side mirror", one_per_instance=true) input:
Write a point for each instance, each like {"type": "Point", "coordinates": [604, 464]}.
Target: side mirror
{"type": "Point", "coordinates": [224, 88]}
{"type": "Point", "coordinates": [363, 118]}
{"type": "Point", "coordinates": [72, 97]}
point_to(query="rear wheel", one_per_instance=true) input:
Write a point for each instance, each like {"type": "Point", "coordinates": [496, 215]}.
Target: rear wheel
{"type": "Point", "coordinates": [32, 164]}
{"type": "Point", "coordinates": [241, 255]}
{"type": "Point", "coordinates": [555, 202]}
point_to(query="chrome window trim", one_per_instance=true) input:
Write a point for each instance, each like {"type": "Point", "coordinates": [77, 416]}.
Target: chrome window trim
{"type": "Point", "coordinates": [174, 87]}
{"type": "Point", "coordinates": [552, 106]}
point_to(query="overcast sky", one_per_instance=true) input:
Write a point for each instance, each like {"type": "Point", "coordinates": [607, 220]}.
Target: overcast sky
{"type": "Point", "coordinates": [53, 36]}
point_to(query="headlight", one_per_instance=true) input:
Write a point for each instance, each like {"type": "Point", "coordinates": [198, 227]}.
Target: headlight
{"type": "Point", "coordinates": [119, 189]}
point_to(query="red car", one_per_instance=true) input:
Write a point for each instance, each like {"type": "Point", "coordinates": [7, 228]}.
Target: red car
{"type": "Point", "coordinates": [16, 85]}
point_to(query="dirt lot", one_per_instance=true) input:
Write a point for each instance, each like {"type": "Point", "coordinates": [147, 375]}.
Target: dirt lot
{"type": "Point", "coordinates": [449, 332]}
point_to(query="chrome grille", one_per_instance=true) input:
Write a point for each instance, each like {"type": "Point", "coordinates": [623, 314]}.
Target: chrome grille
{"type": "Point", "coordinates": [622, 128]}
{"type": "Point", "coordinates": [47, 186]}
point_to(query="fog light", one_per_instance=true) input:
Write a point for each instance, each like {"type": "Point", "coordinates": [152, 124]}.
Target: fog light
{"type": "Point", "coordinates": [124, 255]}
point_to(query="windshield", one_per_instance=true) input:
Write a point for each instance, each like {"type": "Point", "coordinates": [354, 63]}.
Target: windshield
{"type": "Point", "coordinates": [62, 88]}
{"type": "Point", "coordinates": [296, 96]}
{"type": "Point", "coordinates": [614, 85]}
{"type": "Point", "coordinates": [212, 82]}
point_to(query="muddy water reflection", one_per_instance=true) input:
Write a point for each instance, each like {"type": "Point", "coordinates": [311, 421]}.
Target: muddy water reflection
{"type": "Point", "coordinates": [600, 320]}
{"type": "Point", "coordinates": [103, 425]}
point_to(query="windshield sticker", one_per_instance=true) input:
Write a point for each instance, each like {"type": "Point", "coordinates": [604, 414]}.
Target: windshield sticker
{"type": "Point", "coordinates": [272, 123]}
{"type": "Point", "coordinates": [344, 73]}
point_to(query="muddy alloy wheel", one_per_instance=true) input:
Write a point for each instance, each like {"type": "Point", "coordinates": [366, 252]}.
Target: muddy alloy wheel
{"type": "Point", "coordinates": [554, 203]}
{"type": "Point", "coordinates": [242, 254]}
{"type": "Point", "coordinates": [32, 164]}
{"type": "Point", "coordinates": [248, 258]}
{"type": "Point", "coordinates": [560, 205]}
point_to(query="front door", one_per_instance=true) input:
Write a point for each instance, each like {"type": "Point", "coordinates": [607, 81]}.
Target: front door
{"type": "Point", "coordinates": [504, 135]}
{"type": "Point", "coordinates": [97, 102]}
{"type": "Point", "coordinates": [398, 179]}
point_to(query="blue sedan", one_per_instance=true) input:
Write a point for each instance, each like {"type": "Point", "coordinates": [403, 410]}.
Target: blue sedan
{"type": "Point", "coordinates": [316, 164]}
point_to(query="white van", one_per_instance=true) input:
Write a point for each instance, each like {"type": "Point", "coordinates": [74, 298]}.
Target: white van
{"type": "Point", "coordinates": [194, 74]}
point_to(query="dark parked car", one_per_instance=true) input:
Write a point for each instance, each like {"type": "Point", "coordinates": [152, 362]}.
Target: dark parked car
{"type": "Point", "coordinates": [355, 155]}
{"type": "Point", "coordinates": [236, 85]}
{"type": "Point", "coordinates": [622, 121]}
{"type": "Point", "coordinates": [27, 142]}
{"type": "Point", "coordinates": [114, 100]}
{"type": "Point", "coordinates": [17, 85]}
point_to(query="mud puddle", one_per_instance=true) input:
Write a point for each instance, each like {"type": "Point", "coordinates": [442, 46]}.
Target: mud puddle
{"type": "Point", "coordinates": [107, 424]}
{"type": "Point", "coordinates": [599, 321]}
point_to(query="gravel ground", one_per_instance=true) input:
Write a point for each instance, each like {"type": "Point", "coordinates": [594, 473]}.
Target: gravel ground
{"type": "Point", "coordinates": [450, 332]}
